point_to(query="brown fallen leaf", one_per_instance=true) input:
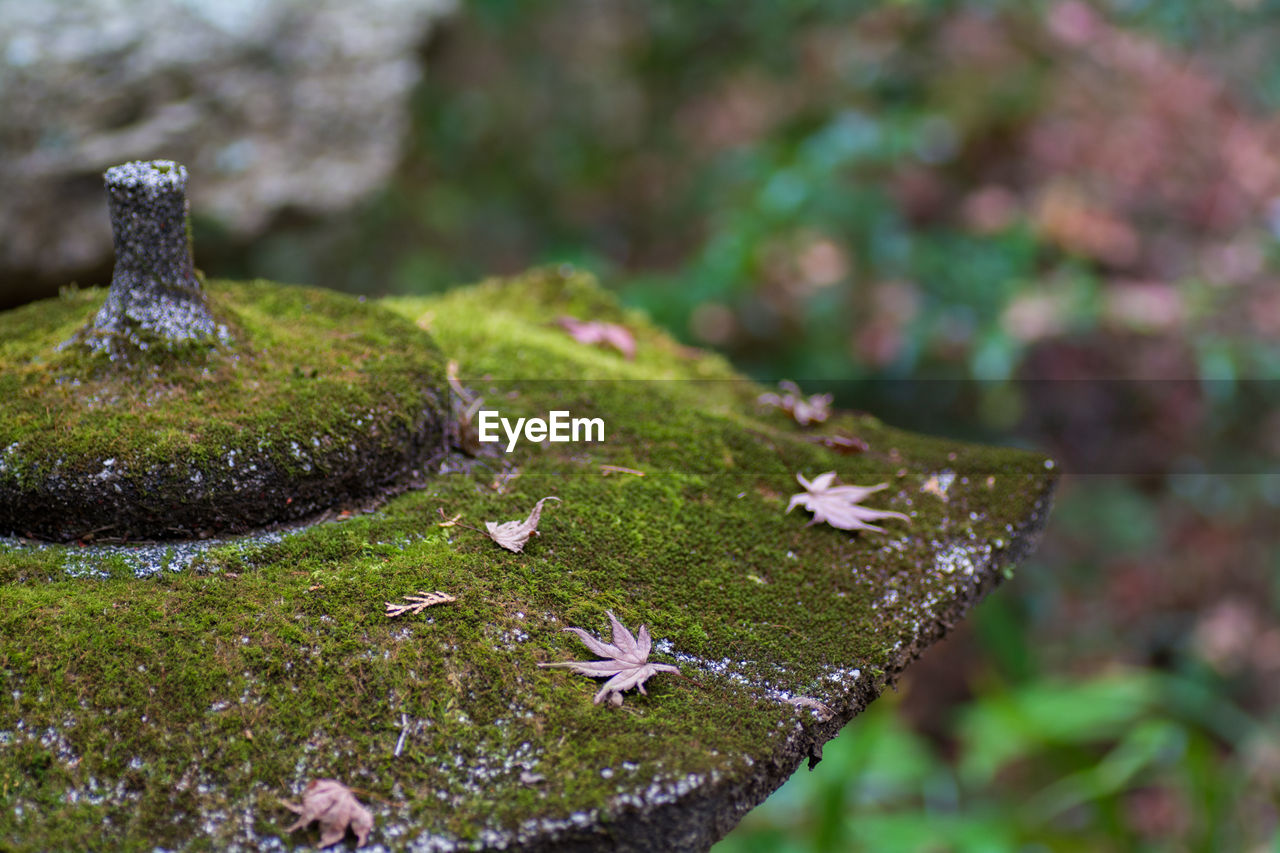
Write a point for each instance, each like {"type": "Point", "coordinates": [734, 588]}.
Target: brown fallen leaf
{"type": "Point", "coordinates": [840, 506]}
{"type": "Point", "coordinates": [813, 409]}
{"type": "Point", "coordinates": [627, 663]}
{"type": "Point", "coordinates": [845, 445]}
{"type": "Point", "coordinates": [418, 602]}
{"type": "Point", "coordinates": [513, 534]}
{"type": "Point", "coordinates": [600, 334]}
{"type": "Point", "coordinates": [336, 807]}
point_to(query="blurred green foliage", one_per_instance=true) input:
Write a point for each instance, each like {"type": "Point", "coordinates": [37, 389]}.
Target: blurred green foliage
{"type": "Point", "coordinates": [1069, 739]}
{"type": "Point", "coordinates": [694, 154]}
{"type": "Point", "coordinates": [1115, 762]}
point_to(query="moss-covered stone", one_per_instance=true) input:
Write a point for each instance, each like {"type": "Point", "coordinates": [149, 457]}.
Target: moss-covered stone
{"type": "Point", "coordinates": [318, 399]}
{"type": "Point", "coordinates": [175, 710]}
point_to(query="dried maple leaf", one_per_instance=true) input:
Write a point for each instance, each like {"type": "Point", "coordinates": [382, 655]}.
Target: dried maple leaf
{"type": "Point", "coordinates": [418, 602]}
{"type": "Point", "coordinates": [839, 506]}
{"type": "Point", "coordinates": [600, 334]}
{"type": "Point", "coordinates": [336, 807]}
{"type": "Point", "coordinates": [842, 443]}
{"type": "Point", "coordinates": [513, 534]}
{"type": "Point", "coordinates": [813, 409]}
{"type": "Point", "coordinates": [627, 663]}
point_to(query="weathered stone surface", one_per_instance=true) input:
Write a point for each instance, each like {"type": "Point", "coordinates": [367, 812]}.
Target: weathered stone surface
{"type": "Point", "coordinates": [155, 296]}
{"type": "Point", "coordinates": [275, 104]}
{"type": "Point", "coordinates": [237, 675]}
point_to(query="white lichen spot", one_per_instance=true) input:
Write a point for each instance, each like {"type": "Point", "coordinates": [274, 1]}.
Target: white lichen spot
{"type": "Point", "coordinates": [939, 484]}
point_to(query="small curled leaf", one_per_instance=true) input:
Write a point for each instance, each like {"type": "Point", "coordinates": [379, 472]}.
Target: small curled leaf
{"type": "Point", "coordinates": [336, 808]}
{"type": "Point", "coordinates": [512, 535]}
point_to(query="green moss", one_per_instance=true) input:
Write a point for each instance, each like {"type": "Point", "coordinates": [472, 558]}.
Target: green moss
{"type": "Point", "coordinates": [315, 381]}
{"type": "Point", "coordinates": [188, 700]}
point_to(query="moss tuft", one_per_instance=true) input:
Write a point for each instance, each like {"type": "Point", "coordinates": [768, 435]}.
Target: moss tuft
{"type": "Point", "coordinates": [319, 399]}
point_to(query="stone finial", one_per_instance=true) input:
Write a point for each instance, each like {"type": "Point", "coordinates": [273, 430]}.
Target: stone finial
{"type": "Point", "coordinates": [154, 293]}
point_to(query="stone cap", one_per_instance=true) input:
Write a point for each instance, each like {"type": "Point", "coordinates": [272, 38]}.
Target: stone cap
{"type": "Point", "coordinates": [153, 175]}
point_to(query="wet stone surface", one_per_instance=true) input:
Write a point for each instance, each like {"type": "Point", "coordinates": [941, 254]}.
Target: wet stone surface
{"type": "Point", "coordinates": [238, 674]}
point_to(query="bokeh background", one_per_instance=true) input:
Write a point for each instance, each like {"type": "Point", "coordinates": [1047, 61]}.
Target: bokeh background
{"type": "Point", "coordinates": [1046, 223]}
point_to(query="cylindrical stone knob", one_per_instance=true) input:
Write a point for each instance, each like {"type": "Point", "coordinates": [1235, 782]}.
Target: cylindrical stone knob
{"type": "Point", "coordinates": [155, 293]}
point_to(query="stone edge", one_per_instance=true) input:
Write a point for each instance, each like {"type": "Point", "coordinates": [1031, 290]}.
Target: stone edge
{"type": "Point", "coordinates": [695, 821]}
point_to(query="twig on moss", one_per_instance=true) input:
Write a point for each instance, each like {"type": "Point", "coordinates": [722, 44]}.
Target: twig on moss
{"type": "Point", "coordinates": [824, 710]}
{"type": "Point", "coordinates": [418, 603]}
{"type": "Point", "coordinates": [454, 522]}
{"type": "Point", "coordinates": [404, 732]}
{"type": "Point", "coordinates": [618, 469]}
